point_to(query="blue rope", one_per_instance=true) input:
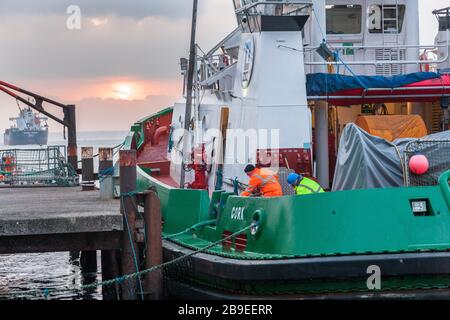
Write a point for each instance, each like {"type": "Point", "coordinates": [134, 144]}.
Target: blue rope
{"type": "Point", "coordinates": [336, 54]}
{"type": "Point", "coordinates": [337, 57]}
{"type": "Point", "coordinates": [131, 242]}
{"type": "Point", "coordinates": [145, 229]}
{"type": "Point", "coordinates": [46, 293]}
{"type": "Point", "coordinates": [104, 174]}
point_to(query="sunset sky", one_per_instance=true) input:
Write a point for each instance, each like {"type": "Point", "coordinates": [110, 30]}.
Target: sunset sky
{"type": "Point", "coordinates": [123, 64]}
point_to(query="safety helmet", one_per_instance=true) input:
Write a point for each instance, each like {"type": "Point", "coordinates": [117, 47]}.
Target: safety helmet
{"type": "Point", "coordinates": [293, 178]}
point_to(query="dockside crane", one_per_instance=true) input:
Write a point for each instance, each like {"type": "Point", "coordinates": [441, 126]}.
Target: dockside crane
{"type": "Point", "coordinates": [69, 120]}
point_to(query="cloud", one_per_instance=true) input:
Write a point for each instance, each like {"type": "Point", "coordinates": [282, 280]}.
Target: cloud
{"type": "Point", "coordinates": [136, 9]}
{"type": "Point", "coordinates": [41, 47]}
{"type": "Point", "coordinates": [118, 115]}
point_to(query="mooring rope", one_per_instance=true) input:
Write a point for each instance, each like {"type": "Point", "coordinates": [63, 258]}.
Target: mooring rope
{"type": "Point", "coordinates": [106, 173]}
{"type": "Point", "coordinates": [166, 264]}
{"type": "Point", "coordinates": [194, 227]}
{"type": "Point", "coordinates": [46, 292]}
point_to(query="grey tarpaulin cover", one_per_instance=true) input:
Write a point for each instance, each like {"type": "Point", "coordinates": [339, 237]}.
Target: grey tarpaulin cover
{"type": "Point", "coordinates": [365, 161]}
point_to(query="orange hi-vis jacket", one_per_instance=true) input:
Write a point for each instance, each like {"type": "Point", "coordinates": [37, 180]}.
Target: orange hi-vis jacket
{"type": "Point", "coordinates": [266, 182]}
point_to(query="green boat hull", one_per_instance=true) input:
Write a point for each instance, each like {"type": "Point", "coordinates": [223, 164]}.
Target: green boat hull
{"type": "Point", "coordinates": [369, 227]}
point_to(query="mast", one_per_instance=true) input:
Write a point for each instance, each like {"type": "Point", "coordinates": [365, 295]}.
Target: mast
{"type": "Point", "coordinates": [190, 83]}
{"type": "Point", "coordinates": [321, 107]}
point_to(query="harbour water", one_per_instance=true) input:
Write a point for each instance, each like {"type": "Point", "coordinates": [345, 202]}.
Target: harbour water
{"type": "Point", "coordinates": [27, 276]}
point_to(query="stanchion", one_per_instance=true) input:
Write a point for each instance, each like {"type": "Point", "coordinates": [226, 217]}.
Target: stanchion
{"type": "Point", "coordinates": [87, 169]}
{"type": "Point", "coordinates": [106, 173]}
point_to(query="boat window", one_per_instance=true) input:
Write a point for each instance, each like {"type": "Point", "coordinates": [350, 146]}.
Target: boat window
{"type": "Point", "coordinates": [386, 18]}
{"type": "Point", "coordinates": [443, 16]}
{"type": "Point", "coordinates": [344, 19]}
{"type": "Point", "coordinates": [444, 23]}
{"type": "Point", "coordinates": [241, 3]}
{"type": "Point", "coordinates": [237, 4]}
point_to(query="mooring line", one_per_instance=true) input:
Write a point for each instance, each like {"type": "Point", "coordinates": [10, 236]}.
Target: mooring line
{"type": "Point", "coordinates": [46, 292]}
{"type": "Point", "coordinates": [163, 265]}
{"type": "Point", "coordinates": [194, 227]}
{"type": "Point", "coordinates": [106, 173]}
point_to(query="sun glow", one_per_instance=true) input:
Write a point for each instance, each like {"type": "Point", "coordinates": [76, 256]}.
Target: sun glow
{"type": "Point", "coordinates": [98, 22]}
{"type": "Point", "coordinates": [123, 91]}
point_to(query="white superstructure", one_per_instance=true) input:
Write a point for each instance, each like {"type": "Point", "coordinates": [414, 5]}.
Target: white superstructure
{"type": "Point", "coordinates": [250, 88]}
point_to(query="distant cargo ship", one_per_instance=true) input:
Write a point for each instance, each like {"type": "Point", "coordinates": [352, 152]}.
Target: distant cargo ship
{"type": "Point", "coordinates": [27, 129]}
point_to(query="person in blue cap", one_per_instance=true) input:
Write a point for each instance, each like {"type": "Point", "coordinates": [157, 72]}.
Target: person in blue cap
{"type": "Point", "coordinates": [303, 185]}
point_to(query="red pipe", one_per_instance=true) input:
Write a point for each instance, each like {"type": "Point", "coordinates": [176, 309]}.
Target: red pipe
{"type": "Point", "coordinates": [158, 133]}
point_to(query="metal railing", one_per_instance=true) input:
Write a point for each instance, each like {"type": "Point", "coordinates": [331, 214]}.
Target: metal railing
{"type": "Point", "coordinates": [282, 7]}
{"type": "Point", "coordinates": [44, 166]}
{"type": "Point", "coordinates": [387, 62]}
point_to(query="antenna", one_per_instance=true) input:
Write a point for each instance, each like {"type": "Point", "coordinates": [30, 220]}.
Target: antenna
{"type": "Point", "coordinates": [190, 83]}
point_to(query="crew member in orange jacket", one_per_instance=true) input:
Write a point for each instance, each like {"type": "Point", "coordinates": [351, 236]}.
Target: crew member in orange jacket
{"type": "Point", "coordinates": [263, 182]}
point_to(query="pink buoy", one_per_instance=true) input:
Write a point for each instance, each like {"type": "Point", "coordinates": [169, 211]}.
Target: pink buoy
{"type": "Point", "coordinates": [419, 164]}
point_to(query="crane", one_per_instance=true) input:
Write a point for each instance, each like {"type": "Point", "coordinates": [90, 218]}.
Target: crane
{"type": "Point", "coordinates": [68, 121]}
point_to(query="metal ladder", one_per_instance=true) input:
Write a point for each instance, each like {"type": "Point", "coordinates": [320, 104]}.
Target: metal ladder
{"type": "Point", "coordinates": [394, 9]}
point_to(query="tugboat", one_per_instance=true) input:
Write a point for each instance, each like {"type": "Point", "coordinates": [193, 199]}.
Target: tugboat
{"type": "Point", "coordinates": [28, 129]}
{"type": "Point", "coordinates": [251, 103]}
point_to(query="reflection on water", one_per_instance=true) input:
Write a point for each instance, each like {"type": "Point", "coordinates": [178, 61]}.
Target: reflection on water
{"type": "Point", "coordinates": [26, 276]}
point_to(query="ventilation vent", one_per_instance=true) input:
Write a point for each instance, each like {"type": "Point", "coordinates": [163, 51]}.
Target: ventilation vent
{"type": "Point", "coordinates": [386, 54]}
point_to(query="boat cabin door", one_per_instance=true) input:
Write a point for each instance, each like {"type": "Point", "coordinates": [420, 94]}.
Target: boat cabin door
{"type": "Point", "coordinates": [224, 116]}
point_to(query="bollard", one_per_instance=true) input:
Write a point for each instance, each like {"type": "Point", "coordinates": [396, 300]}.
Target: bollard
{"type": "Point", "coordinates": [128, 206]}
{"type": "Point", "coordinates": [87, 169]}
{"type": "Point", "coordinates": [106, 173]}
{"type": "Point", "coordinates": [153, 281]}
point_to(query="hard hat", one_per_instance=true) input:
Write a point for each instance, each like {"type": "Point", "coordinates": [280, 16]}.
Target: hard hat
{"type": "Point", "coordinates": [419, 164]}
{"type": "Point", "coordinates": [293, 177]}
